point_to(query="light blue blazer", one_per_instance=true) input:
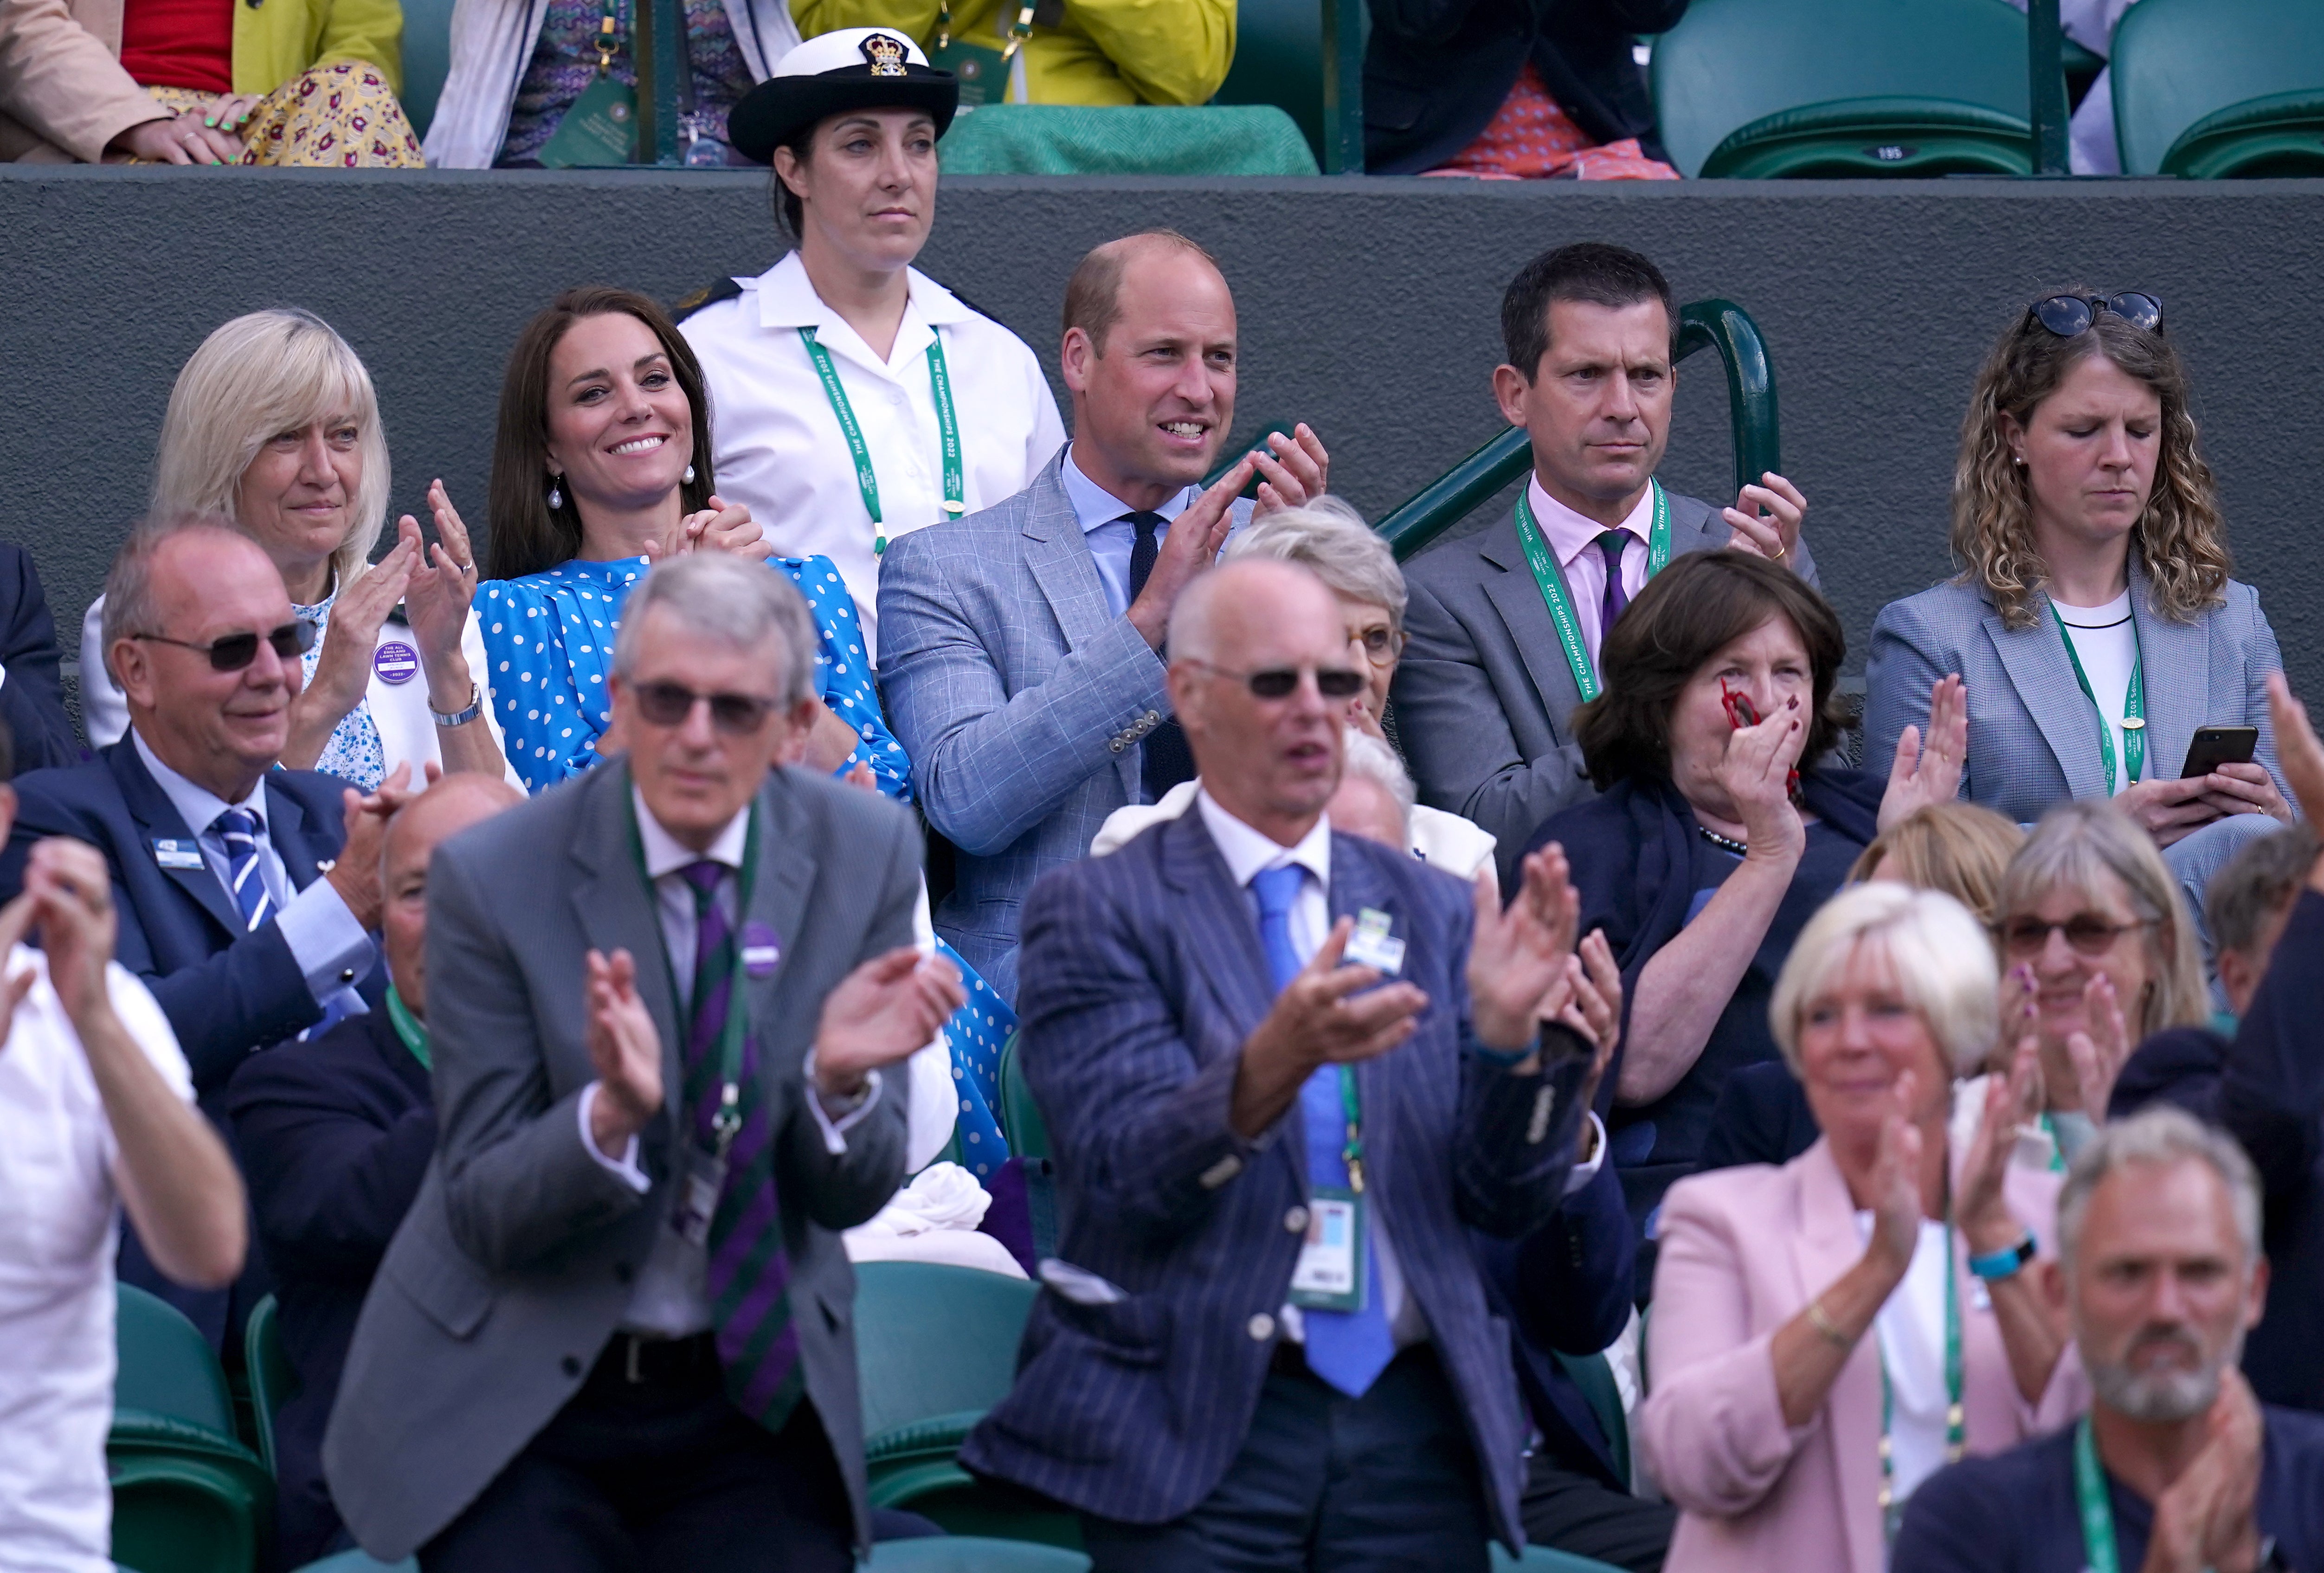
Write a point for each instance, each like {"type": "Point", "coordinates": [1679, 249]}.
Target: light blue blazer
{"type": "Point", "coordinates": [2033, 736]}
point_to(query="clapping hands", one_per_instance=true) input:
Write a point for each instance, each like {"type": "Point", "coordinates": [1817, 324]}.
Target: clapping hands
{"type": "Point", "coordinates": [1518, 955]}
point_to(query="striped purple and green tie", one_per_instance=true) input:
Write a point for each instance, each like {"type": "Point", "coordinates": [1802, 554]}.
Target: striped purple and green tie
{"type": "Point", "coordinates": [750, 1272]}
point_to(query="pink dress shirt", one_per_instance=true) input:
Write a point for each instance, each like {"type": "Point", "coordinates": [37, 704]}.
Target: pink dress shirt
{"type": "Point", "coordinates": [1572, 542]}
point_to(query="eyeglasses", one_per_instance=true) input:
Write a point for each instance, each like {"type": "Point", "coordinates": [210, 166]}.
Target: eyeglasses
{"type": "Point", "coordinates": [236, 651]}
{"type": "Point", "coordinates": [2068, 315]}
{"type": "Point", "coordinates": [1278, 682]}
{"type": "Point", "coordinates": [2087, 933]}
{"type": "Point", "coordinates": [1381, 644]}
{"type": "Point", "coordinates": [669, 704]}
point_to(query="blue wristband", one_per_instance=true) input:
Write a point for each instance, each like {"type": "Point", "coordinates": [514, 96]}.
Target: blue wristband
{"type": "Point", "coordinates": [1997, 1265]}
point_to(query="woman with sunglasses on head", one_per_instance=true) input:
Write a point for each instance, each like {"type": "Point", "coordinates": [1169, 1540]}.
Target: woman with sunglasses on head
{"type": "Point", "coordinates": [2093, 619]}
{"type": "Point", "coordinates": [600, 468]}
{"type": "Point", "coordinates": [273, 424]}
{"type": "Point", "coordinates": [858, 399]}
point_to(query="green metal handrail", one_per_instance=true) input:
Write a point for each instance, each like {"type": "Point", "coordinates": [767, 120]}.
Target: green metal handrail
{"type": "Point", "coordinates": [1720, 325]}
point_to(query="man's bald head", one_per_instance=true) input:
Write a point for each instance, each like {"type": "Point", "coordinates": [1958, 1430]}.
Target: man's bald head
{"type": "Point", "coordinates": [1218, 611]}
{"type": "Point", "coordinates": [1093, 294]}
{"type": "Point", "coordinates": [444, 809]}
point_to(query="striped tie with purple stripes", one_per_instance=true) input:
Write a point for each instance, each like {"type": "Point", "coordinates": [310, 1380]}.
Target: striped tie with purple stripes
{"type": "Point", "coordinates": [750, 1272]}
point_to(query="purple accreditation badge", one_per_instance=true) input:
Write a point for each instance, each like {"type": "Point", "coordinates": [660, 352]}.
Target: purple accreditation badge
{"type": "Point", "coordinates": [762, 949]}
{"type": "Point", "coordinates": [395, 661]}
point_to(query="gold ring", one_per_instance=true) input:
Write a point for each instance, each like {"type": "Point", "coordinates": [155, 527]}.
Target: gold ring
{"type": "Point", "coordinates": [1779, 553]}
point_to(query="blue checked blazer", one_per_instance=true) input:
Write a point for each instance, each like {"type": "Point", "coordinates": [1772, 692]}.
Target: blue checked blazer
{"type": "Point", "coordinates": [1020, 697]}
{"type": "Point", "coordinates": [2033, 737]}
{"type": "Point", "coordinates": [1142, 976]}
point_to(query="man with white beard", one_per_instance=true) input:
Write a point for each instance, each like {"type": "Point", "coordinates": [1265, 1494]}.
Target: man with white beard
{"type": "Point", "coordinates": [2176, 1468]}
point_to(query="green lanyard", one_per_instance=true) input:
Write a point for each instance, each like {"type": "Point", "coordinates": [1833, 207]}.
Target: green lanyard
{"type": "Point", "coordinates": [1018, 31]}
{"type": "Point", "coordinates": [2133, 706]}
{"type": "Point", "coordinates": [1552, 583]}
{"type": "Point", "coordinates": [729, 1118]}
{"type": "Point", "coordinates": [1351, 1106]}
{"type": "Point", "coordinates": [2098, 1512]}
{"type": "Point", "coordinates": [408, 1028]}
{"type": "Point", "coordinates": [2057, 1148]}
{"type": "Point", "coordinates": [1890, 1512]}
{"type": "Point", "coordinates": [956, 487]}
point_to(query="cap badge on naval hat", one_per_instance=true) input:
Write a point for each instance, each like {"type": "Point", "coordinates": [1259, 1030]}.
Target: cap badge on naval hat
{"type": "Point", "coordinates": [884, 53]}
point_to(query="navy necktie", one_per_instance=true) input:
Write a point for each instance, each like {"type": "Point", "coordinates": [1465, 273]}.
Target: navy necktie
{"type": "Point", "coordinates": [1348, 1349]}
{"type": "Point", "coordinates": [1165, 759]}
{"type": "Point", "coordinates": [238, 828]}
{"type": "Point", "coordinates": [1610, 607]}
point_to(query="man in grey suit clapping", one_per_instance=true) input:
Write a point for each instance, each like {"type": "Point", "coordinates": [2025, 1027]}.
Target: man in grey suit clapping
{"type": "Point", "coordinates": [614, 1329]}
{"type": "Point", "coordinates": [1504, 626]}
{"type": "Point", "coordinates": [1020, 648]}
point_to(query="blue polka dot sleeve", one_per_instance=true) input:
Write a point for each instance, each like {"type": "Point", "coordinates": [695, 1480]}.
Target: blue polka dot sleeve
{"type": "Point", "coordinates": [548, 640]}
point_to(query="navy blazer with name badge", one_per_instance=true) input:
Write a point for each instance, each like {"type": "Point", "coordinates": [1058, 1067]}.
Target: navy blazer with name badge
{"type": "Point", "coordinates": [226, 989]}
{"type": "Point", "coordinates": [1142, 976]}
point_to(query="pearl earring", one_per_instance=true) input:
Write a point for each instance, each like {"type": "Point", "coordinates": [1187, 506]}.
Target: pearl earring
{"type": "Point", "coordinates": [689, 474]}
{"type": "Point", "coordinates": [556, 494]}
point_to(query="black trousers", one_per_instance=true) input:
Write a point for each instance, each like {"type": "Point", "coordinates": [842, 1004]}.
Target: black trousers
{"type": "Point", "coordinates": [1568, 1510]}
{"type": "Point", "coordinates": [1387, 1482]}
{"type": "Point", "coordinates": [662, 1473]}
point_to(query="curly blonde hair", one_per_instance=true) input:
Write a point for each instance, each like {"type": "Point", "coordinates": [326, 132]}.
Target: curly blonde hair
{"type": "Point", "coordinates": [2181, 539]}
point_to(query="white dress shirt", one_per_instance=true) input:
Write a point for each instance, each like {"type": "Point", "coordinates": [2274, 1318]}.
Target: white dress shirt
{"type": "Point", "coordinates": [60, 1209]}
{"type": "Point", "coordinates": [1112, 537]}
{"type": "Point", "coordinates": [329, 944]}
{"type": "Point", "coordinates": [1441, 840]}
{"type": "Point", "coordinates": [780, 450]}
{"type": "Point", "coordinates": [1911, 1327]}
{"type": "Point", "coordinates": [669, 1300]}
{"type": "Point", "coordinates": [1572, 541]}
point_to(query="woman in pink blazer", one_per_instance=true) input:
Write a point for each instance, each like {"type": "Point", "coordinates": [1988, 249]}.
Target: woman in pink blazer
{"type": "Point", "coordinates": [1797, 1352]}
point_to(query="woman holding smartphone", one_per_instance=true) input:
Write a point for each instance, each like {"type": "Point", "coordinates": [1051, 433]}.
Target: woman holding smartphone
{"type": "Point", "coordinates": [2093, 621]}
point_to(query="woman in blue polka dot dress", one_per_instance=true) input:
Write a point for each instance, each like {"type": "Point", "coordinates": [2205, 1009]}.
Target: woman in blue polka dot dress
{"type": "Point", "coordinates": [600, 468]}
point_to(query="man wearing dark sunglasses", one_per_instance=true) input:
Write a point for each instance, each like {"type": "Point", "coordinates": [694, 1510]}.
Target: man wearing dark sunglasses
{"type": "Point", "coordinates": [1020, 647]}
{"type": "Point", "coordinates": [1219, 1365]}
{"type": "Point", "coordinates": [246, 893]}
{"type": "Point", "coordinates": [1505, 626]}
{"type": "Point", "coordinates": [652, 991]}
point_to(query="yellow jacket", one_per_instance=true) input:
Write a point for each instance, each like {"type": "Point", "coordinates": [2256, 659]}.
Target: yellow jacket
{"type": "Point", "coordinates": [1106, 52]}
{"type": "Point", "coordinates": [63, 93]}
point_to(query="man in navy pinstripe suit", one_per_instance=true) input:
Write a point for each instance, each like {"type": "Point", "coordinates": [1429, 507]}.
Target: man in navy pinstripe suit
{"type": "Point", "coordinates": [1285, 1072]}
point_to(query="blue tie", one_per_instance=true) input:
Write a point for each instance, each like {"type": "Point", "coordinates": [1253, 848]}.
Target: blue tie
{"type": "Point", "coordinates": [1348, 1349]}
{"type": "Point", "coordinates": [238, 828]}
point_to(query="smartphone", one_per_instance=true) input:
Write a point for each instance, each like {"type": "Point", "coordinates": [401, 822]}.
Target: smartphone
{"type": "Point", "coordinates": [2217, 746]}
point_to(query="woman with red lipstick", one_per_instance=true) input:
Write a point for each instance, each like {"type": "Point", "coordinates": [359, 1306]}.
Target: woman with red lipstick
{"type": "Point", "coordinates": [275, 424]}
{"type": "Point", "coordinates": [1719, 827]}
{"type": "Point", "coordinates": [2093, 620]}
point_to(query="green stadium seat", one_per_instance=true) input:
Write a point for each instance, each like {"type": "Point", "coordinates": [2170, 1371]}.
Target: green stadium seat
{"type": "Point", "coordinates": [1764, 89]}
{"type": "Point", "coordinates": [1062, 139]}
{"type": "Point", "coordinates": [1279, 59]}
{"type": "Point", "coordinates": [187, 1496]}
{"type": "Point", "coordinates": [273, 1382]}
{"type": "Point", "coordinates": [426, 59]}
{"type": "Point", "coordinates": [2213, 88]}
{"type": "Point", "coordinates": [1542, 1560]}
{"type": "Point", "coordinates": [1021, 1117]}
{"type": "Point", "coordinates": [936, 1346]}
{"type": "Point", "coordinates": [1594, 1375]}
{"type": "Point", "coordinates": [973, 1554]}
{"type": "Point", "coordinates": [360, 1562]}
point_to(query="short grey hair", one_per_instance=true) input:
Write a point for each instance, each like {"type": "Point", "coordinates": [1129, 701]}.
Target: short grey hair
{"type": "Point", "coordinates": [2161, 1133]}
{"type": "Point", "coordinates": [1330, 539]}
{"type": "Point", "coordinates": [1943, 962]}
{"type": "Point", "coordinates": [1369, 757]}
{"type": "Point", "coordinates": [130, 607]}
{"type": "Point", "coordinates": [737, 603]}
{"type": "Point", "coordinates": [2073, 844]}
{"type": "Point", "coordinates": [2260, 881]}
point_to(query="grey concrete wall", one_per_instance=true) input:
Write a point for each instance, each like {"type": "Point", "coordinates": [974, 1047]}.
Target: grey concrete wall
{"type": "Point", "coordinates": [1367, 307]}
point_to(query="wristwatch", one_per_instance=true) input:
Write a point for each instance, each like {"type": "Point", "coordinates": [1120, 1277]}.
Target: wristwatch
{"type": "Point", "coordinates": [461, 717]}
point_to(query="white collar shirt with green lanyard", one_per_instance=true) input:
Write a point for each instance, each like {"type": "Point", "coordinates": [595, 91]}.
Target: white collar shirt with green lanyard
{"type": "Point", "coordinates": [1550, 580]}
{"type": "Point", "coordinates": [2131, 724]}
{"type": "Point", "coordinates": [954, 482]}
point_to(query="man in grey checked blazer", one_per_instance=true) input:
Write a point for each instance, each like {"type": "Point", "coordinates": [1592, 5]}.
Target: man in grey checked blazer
{"type": "Point", "coordinates": [1020, 648]}
{"type": "Point", "coordinates": [1485, 696]}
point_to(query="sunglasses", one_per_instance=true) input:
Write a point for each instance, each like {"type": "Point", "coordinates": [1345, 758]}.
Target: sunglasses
{"type": "Point", "coordinates": [2068, 315]}
{"type": "Point", "coordinates": [669, 704]}
{"type": "Point", "coordinates": [2087, 933]}
{"type": "Point", "coordinates": [236, 651]}
{"type": "Point", "coordinates": [1278, 682]}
